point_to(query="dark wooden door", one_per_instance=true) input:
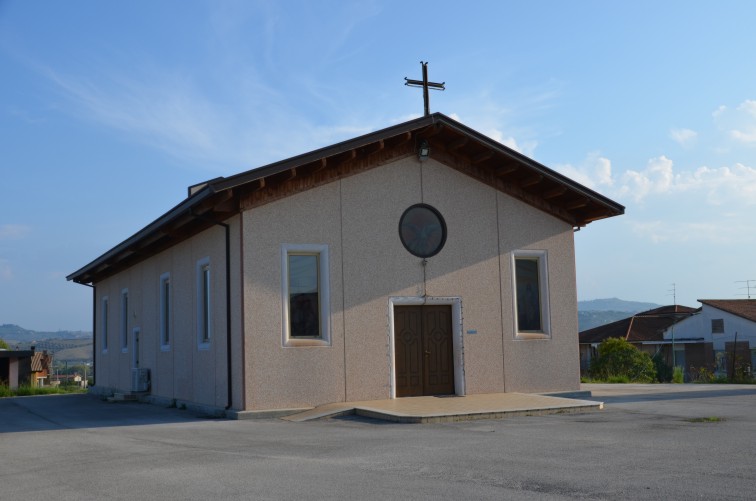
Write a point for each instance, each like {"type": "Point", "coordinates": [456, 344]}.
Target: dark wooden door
{"type": "Point", "coordinates": [424, 352]}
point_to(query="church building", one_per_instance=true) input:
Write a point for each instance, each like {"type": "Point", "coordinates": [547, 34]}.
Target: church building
{"type": "Point", "coordinates": [421, 259]}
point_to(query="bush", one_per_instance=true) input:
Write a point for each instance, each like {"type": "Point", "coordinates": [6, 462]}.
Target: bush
{"type": "Point", "coordinates": [677, 375]}
{"type": "Point", "coordinates": [663, 371]}
{"type": "Point", "coordinates": [618, 359]}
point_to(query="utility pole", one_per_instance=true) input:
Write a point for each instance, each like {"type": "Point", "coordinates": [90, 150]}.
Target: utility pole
{"type": "Point", "coordinates": [673, 290]}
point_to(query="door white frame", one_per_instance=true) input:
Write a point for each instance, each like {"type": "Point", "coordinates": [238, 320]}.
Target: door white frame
{"type": "Point", "coordinates": [457, 338]}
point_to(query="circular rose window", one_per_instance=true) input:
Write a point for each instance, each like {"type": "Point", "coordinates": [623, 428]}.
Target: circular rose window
{"type": "Point", "coordinates": [422, 230]}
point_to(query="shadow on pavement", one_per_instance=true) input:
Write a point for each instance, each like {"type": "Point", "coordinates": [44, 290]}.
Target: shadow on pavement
{"type": "Point", "coordinates": [65, 412]}
{"type": "Point", "coordinates": [661, 396]}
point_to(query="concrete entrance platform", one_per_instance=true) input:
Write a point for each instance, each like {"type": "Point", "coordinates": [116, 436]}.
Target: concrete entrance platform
{"type": "Point", "coordinates": [451, 408]}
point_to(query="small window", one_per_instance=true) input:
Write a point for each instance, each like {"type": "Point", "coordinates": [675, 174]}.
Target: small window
{"type": "Point", "coordinates": [104, 325]}
{"type": "Point", "coordinates": [717, 325]}
{"type": "Point", "coordinates": [204, 311]}
{"type": "Point", "coordinates": [531, 295]}
{"type": "Point", "coordinates": [124, 320]}
{"type": "Point", "coordinates": [165, 311]}
{"type": "Point", "coordinates": [305, 295]}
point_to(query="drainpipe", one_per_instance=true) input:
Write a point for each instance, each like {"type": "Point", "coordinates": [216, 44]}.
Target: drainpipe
{"type": "Point", "coordinates": [227, 228]}
{"type": "Point", "coordinates": [94, 330]}
{"type": "Point", "coordinates": [229, 375]}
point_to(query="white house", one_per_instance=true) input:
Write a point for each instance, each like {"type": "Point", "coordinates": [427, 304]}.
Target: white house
{"type": "Point", "coordinates": [420, 259]}
{"type": "Point", "coordinates": [719, 324]}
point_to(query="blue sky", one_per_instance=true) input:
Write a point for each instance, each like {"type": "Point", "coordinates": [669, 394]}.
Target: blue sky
{"type": "Point", "coordinates": [109, 110]}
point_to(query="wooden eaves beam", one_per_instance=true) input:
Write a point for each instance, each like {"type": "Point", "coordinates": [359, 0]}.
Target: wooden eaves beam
{"type": "Point", "coordinates": [532, 180]}
{"type": "Point", "coordinates": [482, 157]}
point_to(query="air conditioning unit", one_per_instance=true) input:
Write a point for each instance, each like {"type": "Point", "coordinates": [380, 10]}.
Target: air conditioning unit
{"type": "Point", "coordinates": [140, 380]}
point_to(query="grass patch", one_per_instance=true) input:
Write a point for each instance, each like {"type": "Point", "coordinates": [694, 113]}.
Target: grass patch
{"type": "Point", "coordinates": [610, 379]}
{"type": "Point", "coordinates": [26, 391]}
{"type": "Point", "coordinates": [709, 419]}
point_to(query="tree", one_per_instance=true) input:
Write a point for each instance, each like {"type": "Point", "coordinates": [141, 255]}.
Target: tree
{"type": "Point", "coordinates": [4, 345]}
{"type": "Point", "coordinates": [619, 359]}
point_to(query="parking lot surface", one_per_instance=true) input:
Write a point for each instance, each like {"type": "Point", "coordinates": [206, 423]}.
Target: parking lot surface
{"type": "Point", "coordinates": [649, 442]}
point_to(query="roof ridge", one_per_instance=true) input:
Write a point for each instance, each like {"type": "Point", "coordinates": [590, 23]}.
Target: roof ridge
{"type": "Point", "coordinates": [629, 328]}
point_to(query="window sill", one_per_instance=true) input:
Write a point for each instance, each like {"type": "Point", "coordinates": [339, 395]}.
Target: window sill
{"type": "Point", "coordinates": [297, 342]}
{"type": "Point", "coordinates": [524, 336]}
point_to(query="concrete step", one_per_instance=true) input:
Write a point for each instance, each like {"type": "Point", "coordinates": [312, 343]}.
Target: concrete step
{"type": "Point", "coordinates": [123, 397]}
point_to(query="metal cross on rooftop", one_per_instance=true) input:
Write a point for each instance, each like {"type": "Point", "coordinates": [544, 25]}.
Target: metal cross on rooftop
{"type": "Point", "coordinates": [425, 84]}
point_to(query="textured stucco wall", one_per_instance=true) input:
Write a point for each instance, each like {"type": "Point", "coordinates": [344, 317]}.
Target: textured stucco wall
{"type": "Point", "coordinates": [183, 372]}
{"type": "Point", "coordinates": [357, 218]}
{"type": "Point", "coordinates": [533, 365]}
{"type": "Point", "coordinates": [277, 376]}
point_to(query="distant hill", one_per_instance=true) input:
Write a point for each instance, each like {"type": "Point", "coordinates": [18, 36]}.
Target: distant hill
{"type": "Point", "coordinates": [605, 311]}
{"type": "Point", "coordinates": [614, 304]}
{"type": "Point", "coordinates": [16, 333]}
{"type": "Point", "coordinates": [66, 346]}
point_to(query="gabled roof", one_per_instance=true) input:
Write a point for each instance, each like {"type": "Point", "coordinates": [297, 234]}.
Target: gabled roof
{"type": "Point", "coordinates": [744, 308]}
{"type": "Point", "coordinates": [40, 362]}
{"type": "Point", "coordinates": [645, 326]}
{"type": "Point", "coordinates": [451, 143]}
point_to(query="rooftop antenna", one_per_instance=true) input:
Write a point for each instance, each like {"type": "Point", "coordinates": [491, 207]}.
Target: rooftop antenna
{"type": "Point", "coordinates": [748, 287]}
{"type": "Point", "coordinates": [425, 84]}
{"type": "Point", "coordinates": [673, 293]}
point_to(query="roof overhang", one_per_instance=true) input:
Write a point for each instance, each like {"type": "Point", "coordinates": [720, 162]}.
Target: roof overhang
{"type": "Point", "coordinates": [451, 143]}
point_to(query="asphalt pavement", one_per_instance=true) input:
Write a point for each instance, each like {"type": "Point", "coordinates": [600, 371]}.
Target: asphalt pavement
{"type": "Point", "coordinates": [649, 442]}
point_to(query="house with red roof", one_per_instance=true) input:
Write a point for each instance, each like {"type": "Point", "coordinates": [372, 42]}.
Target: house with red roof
{"type": "Point", "coordinates": [729, 327]}
{"type": "Point", "coordinates": [646, 331]}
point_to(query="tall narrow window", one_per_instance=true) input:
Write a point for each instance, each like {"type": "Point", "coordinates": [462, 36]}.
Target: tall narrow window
{"type": "Point", "coordinates": [204, 312]}
{"type": "Point", "coordinates": [165, 311]}
{"type": "Point", "coordinates": [305, 295]}
{"type": "Point", "coordinates": [531, 294]}
{"type": "Point", "coordinates": [104, 324]}
{"type": "Point", "coordinates": [124, 320]}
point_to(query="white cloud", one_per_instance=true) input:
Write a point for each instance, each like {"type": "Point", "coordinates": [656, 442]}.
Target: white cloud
{"type": "Point", "coordinates": [748, 106]}
{"type": "Point", "coordinates": [13, 231]}
{"type": "Point", "coordinates": [656, 178]}
{"type": "Point", "coordinates": [744, 137]}
{"type": "Point", "coordinates": [734, 185]}
{"type": "Point", "coordinates": [6, 272]}
{"type": "Point", "coordinates": [594, 172]}
{"type": "Point", "coordinates": [739, 124]}
{"type": "Point", "coordinates": [709, 232]}
{"type": "Point", "coordinates": [527, 148]}
{"type": "Point", "coordinates": [683, 136]}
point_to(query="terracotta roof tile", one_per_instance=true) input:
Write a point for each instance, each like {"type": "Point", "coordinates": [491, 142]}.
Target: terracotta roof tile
{"type": "Point", "coordinates": [645, 326]}
{"type": "Point", "coordinates": [745, 308]}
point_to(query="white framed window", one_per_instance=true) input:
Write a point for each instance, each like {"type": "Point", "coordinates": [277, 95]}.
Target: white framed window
{"type": "Point", "coordinates": [104, 324]}
{"type": "Point", "coordinates": [531, 294]}
{"type": "Point", "coordinates": [204, 305]}
{"type": "Point", "coordinates": [124, 320]}
{"type": "Point", "coordinates": [165, 311]}
{"type": "Point", "coordinates": [305, 295]}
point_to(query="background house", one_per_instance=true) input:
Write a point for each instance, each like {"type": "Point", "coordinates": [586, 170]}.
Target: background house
{"type": "Point", "coordinates": [420, 259]}
{"type": "Point", "coordinates": [728, 327]}
{"type": "Point", "coordinates": [646, 331]}
{"type": "Point", "coordinates": [24, 367]}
